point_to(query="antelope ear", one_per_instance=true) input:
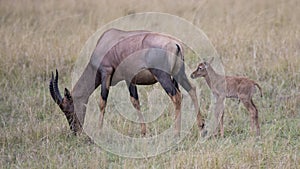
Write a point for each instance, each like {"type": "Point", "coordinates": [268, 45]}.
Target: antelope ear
{"type": "Point", "coordinates": [68, 94]}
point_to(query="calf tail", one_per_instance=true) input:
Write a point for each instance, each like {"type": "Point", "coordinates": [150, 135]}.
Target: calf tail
{"type": "Point", "coordinates": [260, 90]}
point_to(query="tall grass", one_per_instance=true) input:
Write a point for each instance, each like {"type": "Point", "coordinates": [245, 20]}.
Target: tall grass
{"type": "Point", "coordinates": [259, 39]}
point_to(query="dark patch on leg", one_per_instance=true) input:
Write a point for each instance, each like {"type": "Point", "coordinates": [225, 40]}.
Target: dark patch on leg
{"type": "Point", "coordinates": [175, 83]}
{"type": "Point", "coordinates": [165, 80]}
{"type": "Point", "coordinates": [133, 91]}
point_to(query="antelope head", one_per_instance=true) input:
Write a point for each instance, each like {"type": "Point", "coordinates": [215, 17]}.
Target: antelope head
{"type": "Point", "coordinates": [65, 103]}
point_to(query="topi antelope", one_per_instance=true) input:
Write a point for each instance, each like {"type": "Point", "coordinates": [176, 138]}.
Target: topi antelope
{"type": "Point", "coordinates": [229, 87]}
{"type": "Point", "coordinates": [139, 58]}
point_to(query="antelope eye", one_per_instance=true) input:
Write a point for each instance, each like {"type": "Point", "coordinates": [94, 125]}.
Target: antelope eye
{"type": "Point", "coordinates": [200, 68]}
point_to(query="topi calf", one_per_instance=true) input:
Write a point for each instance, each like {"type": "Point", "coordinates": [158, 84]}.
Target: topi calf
{"type": "Point", "coordinates": [223, 87]}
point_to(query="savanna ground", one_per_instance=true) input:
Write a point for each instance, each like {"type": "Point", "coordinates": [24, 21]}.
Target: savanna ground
{"type": "Point", "coordinates": [258, 39]}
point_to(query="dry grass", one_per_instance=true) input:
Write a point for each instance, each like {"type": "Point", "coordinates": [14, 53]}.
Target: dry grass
{"type": "Point", "coordinates": [259, 39]}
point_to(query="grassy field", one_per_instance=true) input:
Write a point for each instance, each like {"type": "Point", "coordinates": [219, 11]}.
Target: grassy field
{"type": "Point", "coordinates": [258, 39]}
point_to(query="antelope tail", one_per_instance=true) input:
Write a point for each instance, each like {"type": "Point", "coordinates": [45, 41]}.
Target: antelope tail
{"type": "Point", "coordinates": [179, 51]}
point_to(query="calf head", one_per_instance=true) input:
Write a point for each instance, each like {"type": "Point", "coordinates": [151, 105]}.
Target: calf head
{"type": "Point", "coordinates": [201, 70]}
{"type": "Point", "coordinates": [65, 103]}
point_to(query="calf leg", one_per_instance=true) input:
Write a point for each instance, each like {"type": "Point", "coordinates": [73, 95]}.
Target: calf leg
{"type": "Point", "coordinates": [222, 124]}
{"type": "Point", "coordinates": [170, 87]}
{"type": "Point", "coordinates": [219, 114]}
{"type": "Point", "coordinates": [134, 98]}
{"type": "Point", "coordinates": [254, 115]}
{"type": "Point", "coordinates": [255, 118]}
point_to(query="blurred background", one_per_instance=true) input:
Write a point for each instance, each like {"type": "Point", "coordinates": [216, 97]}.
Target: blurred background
{"type": "Point", "coordinates": [259, 39]}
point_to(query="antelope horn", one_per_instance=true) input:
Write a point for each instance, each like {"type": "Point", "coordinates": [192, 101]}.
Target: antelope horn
{"type": "Point", "coordinates": [54, 91]}
{"type": "Point", "coordinates": [51, 88]}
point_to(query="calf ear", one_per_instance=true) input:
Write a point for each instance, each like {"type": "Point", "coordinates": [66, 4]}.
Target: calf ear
{"type": "Point", "coordinates": [206, 65]}
{"type": "Point", "coordinates": [211, 60]}
{"type": "Point", "coordinates": [68, 94]}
